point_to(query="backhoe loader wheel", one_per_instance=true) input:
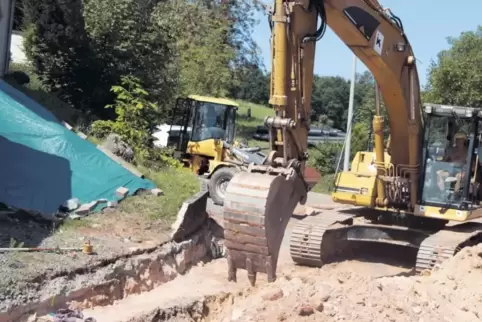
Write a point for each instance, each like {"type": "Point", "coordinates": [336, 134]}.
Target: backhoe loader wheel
{"type": "Point", "coordinates": [218, 183]}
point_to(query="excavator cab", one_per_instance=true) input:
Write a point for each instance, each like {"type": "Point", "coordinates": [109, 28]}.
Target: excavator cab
{"type": "Point", "coordinates": [451, 180]}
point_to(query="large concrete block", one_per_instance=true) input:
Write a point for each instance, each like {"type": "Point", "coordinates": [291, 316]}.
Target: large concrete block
{"type": "Point", "coordinates": [191, 217]}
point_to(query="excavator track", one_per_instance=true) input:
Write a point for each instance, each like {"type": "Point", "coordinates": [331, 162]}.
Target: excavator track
{"type": "Point", "coordinates": [445, 243]}
{"type": "Point", "coordinates": [257, 208]}
{"type": "Point", "coordinates": [316, 239]}
{"type": "Point", "coordinates": [306, 243]}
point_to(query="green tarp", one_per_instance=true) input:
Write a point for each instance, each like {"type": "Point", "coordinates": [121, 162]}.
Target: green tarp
{"type": "Point", "coordinates": [43, 164]}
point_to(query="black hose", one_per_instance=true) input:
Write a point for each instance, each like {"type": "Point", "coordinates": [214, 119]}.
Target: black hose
{"type": "Point", "coordinates": [270, 21]}
{"type": "Point", "coordinates": [320, 9]}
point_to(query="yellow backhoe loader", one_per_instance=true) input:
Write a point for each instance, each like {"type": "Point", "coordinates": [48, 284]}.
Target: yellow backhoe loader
{"type": "Point", "coordinates": [413, 199]}
{"type": "Point", "coordinates": [206, 142]}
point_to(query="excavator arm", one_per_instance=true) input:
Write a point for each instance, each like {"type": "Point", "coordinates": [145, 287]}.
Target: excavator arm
{"type": "Point", "coordinates": [260, 202]}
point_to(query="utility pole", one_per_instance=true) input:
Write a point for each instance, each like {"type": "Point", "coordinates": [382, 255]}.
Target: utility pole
{"type": "Point", "coordinates": [346, 159]}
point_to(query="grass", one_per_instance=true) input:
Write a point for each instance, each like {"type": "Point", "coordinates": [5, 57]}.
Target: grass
{"type": "Point", "coordinates": [177, 185]}
{"type": "Point", "coordinates": [246, 127]}
{"type": "Point", "coordinates": [324, 186]}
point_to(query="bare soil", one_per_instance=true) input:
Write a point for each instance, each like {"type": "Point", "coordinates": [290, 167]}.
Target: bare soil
{"type": "Point", "coordinates": [114, 233]}
{"type": "Point", "coordinates": [347, 291]}
{"type": "Point", "coordinates": [377, 287]}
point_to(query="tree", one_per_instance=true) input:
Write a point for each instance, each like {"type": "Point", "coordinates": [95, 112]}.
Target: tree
{"type": "Point", "coordinates": [213, 42]}
{"type": "Point", "coordinates": [127, 41]}
{"type": "Point", "coordinates": [59, 48]}
{"type": "Point", "coordinates": [456, 77]}
{"type": "Point", "coordinates": [330, 97]}
{"type": "Point", "coordinates": [250, 84]}
{"type": "Point", "coordinates": [136, 115]}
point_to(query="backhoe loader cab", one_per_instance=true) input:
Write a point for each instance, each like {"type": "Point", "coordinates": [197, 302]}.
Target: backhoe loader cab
{"type": "Point", "coordinates": [206, 142]}
{"type": "Point", "coordinates": [451, 180]}
{"type": "Point", "coordinates": [203, 121]}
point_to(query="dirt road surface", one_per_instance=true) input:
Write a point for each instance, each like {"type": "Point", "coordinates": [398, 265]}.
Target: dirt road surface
{"type": "Point", "coordinates": [208, 283]}
{"type": "Point", "coordinates": [375, 287]}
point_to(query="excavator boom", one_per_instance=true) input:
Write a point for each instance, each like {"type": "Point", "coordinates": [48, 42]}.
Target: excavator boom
{"type": "Point", "coordinates": [260, 202]}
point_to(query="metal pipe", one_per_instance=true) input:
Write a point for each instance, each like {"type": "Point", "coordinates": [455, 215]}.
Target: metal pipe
{"type": "Point", "coordinates": [346, 159]}
{"type": "Point", "coordinates": [413, 143]}
{"type": "Point", "coordinates": [378, 127]}
{"type": "Point", "coordinates": [377, 99]}
{"type": "Point", "coordinates": [280, 44]}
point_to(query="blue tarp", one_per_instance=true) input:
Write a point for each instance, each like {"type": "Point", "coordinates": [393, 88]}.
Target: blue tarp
{"type": "Point", "coordinates": [43, 164]}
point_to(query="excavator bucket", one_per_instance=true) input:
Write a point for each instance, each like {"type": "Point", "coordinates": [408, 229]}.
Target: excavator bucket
{"type": "Point", "coordinates": [257, 209]}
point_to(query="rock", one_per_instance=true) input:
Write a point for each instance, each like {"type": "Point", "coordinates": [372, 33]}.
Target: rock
{"type": "Point", "coordinates": [82, 135]}
{"type": "Point", "coordinates": [320, 307]}
{"type": "Point", "coordinates": [417, 310]}
{"type": "Point", "coordinates": [282, 316]}
{"type": "Point", "coordinates": [67, 125]}
{"type": "Point", "coordinates": [117, 146]}
{"type": "Point", "coordinates": [86, 208]}
{"type": "Point", "coordinates": [72, 204]}
{"type": "Point", "coordinates": [324, 292]}
{"type": "Point", "coordinates": [112, 204]}
{"type": "Point", "coordinates": [157, 192]}
{"type": "Point", "coordinates": [305, 310]}
{"type": "Point", "coordinates": [272, 295]}
{"type": "Point", "coordinates": [121, 192]}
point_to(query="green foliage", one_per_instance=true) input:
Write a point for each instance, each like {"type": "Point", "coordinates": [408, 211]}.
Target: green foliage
{"type": "Point", "coordinates": [250, 84]}
{"type": "Point", "coordinates": [209, 42]}
{"type": "Point", "coordinates": [136, 116]}
{"type": "Point", "coordinates": [330, 98]}
{"type": "Point", "coordinates": [325, 157]}
{"type": "Point", "coordinates": [203, 57]}
{"type": "Point", "coordinates": [58, 47]}
{"type": "Point", "coordinates": [456, 77]}
{"type": "Point", "coordinates": [359, 139]}
{"type": "Point", "coordinates": [127, 41]}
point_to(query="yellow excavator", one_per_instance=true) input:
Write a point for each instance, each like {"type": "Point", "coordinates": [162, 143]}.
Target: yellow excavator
{"type": "Point", "coordinates": [406, 196]}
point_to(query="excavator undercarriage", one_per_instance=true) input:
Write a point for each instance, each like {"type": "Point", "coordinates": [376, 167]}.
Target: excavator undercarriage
{"type": "Point", "coordinates": [319, 239]}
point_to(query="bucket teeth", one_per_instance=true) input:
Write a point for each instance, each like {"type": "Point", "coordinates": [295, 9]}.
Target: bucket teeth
{"type": "Point", "coordinates": [257, 209]}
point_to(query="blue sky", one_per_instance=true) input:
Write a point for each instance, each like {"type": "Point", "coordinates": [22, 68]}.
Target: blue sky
{"type": "Point", "coordinates": [427, 23]}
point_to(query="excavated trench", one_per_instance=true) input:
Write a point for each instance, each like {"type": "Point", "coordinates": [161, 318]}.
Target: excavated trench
{"type": "Point", "coordinates": [116, 279]}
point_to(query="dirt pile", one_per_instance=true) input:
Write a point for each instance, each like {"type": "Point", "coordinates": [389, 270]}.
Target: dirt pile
{"type": "Point", "coordinates": [451, 293]}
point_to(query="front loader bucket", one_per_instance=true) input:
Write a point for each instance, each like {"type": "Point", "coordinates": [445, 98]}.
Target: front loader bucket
{"type": "Point", "coordinates": [257, 209]}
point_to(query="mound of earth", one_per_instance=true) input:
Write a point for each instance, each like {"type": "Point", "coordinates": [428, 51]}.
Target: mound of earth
{"type": "Point", "coordinates": [451, 293]}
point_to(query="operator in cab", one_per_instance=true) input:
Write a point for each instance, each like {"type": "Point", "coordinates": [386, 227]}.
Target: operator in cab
{"type": "Point", "coordinates": [458, 156]}
{"type": "Point", "coordinates": [458, 153]}
{"type": "Point", "coordinates": [212, 127]}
